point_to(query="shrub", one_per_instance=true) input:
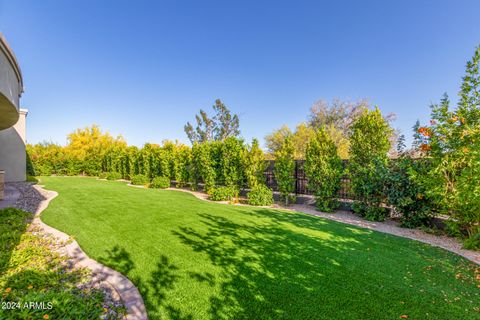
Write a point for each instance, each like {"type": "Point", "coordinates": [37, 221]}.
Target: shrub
{"type": "Point", "coordinates": [260, 195]}
{"type": "Point", "coordinates": [452, 143]}
{"type": "Point", "coordinates": [114, 176]}
{"type": "Point", "coordinates": [202, 166]}
{"type": "Point", "coordinates": [222, 193]}
{"type": "Point", "coordinates": [405, 192]}
{"type": "Point", "coordinates": [323, 168]}
{"type": "Point", "coordinates": [285, 169]}
{"type": "Point", "coordinates": [140, 180]}
{"type": "Point", "coordinates": [231, 165]}
{"type": "Point", "coordinates": [102, 175]}
{"type": "Point", "coordinates": [254, 165]}
{"type": "Point", "coordinates": [160, 182]}
{"type": "Point", "coordinates": [181, 165]}
{"type": "Point", "coordinates": [369, 145]}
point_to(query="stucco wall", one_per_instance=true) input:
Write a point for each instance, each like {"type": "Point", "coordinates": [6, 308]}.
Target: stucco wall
{"type": "Point", "coordinates": [11, 78]}
{"type": "Point", "coordinates": [12, 150]}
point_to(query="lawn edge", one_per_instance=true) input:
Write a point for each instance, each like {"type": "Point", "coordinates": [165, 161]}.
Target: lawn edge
{"type": "Point", "coordinates": [411, 234]}
{"type": "Point", "coordinates": [128, 292]}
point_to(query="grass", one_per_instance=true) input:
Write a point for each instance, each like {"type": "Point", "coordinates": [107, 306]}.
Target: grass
{"type": "Point", "coordinates": [30, 272]}
{"type": "Point", "coordinates": [197, 260]}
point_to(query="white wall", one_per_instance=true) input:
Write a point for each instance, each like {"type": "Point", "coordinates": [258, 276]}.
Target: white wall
{"type": "Point", "coordinates": [12, 150]}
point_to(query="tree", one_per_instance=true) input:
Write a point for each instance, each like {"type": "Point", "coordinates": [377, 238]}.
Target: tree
{"type": "Point", "coordinates": [323, 168]}
{"type": "Point", "coordinates": [339, 114]}
{"type": "Point", "coordinates": [231, 164]}
{"type": "Point", "coordinates": [254, 165]}
{"type": "Point", "coordinates": [203, 166]}
{"type": "Point", "coordinates": [300, 138]}
{"type": "Point", "coordinates": [89, 145]}
{"type": "Point", "coordinates": [218, 128]}
{"type": "Point", "coordinates": [452, 143]}
{"type": "Point", "coordinates": [369, 145]}
{"type": "Point", "coordinates": [285, 169]}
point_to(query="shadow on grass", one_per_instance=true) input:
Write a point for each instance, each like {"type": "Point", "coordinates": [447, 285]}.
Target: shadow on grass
{"type": "Point", "coordinates": [271, 270]}
{"type": "Point", "coordinates": [154, 290]}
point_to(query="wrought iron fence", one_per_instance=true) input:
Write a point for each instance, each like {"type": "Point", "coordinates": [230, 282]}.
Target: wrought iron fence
{"type": "Point", "coordinates": [301, 181]}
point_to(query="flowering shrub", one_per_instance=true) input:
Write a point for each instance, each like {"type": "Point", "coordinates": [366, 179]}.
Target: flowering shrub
{"type": "Point", "coordinates": [323, 168]}
{"type": "Point", "coordinates": [452, 143]}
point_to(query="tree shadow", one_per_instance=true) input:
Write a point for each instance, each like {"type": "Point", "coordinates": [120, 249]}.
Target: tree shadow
{"type": "Point", "coordinates": [155, 290]}
{"type": "Point", "coordinates": [267, 267]}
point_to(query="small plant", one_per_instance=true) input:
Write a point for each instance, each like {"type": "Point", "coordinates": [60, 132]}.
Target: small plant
{"type": "Point", "coordinates": [102, 175]}
{"type": "Point", "coordinates": [160, 183]}
{"type": "Point", "coordinates": [222, 193]}
{"type": "Point", "coordinates": [260, 195]}
{"type": "Point", "coordinates": [140, 180]}
{"type": "Point", "coordinates": [114, 176]}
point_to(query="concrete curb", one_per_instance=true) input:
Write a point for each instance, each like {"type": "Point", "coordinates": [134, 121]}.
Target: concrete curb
{"type": "Point", "coordinates": [127, 291]}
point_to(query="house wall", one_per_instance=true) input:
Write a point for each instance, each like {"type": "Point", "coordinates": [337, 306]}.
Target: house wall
{"type": "Point", "coordinates": [12, 150]}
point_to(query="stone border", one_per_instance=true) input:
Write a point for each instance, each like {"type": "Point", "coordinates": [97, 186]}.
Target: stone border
{"type": "Point", "coordinates": [127, 291]}
{"type": "Point", "coordinates": [447, 243]}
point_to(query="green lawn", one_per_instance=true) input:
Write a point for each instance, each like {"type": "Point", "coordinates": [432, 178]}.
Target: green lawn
{"type": "Point", "coordinates": [197, 260]}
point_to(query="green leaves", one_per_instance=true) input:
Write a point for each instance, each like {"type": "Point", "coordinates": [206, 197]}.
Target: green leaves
{"type": "Point", "coordinates": [452, 144]}
{"type": "Point", "coordinates": [323, 168]}
{"type": "Point", "coordinates": [285, 169]}
{"type": "Point", "coordinates": [369, 145]}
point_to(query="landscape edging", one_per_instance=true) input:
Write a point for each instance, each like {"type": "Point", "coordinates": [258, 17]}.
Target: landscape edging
{"type": "Point", "coordinates": [129, 294]}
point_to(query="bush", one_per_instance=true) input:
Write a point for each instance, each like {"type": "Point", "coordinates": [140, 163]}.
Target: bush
{"type": "Point", "coordinates": [140, 180]}
{"type": "Point", "coordinates": [113, 176]}
{"type": "Point", "coordinates": [160, 182]}
{"type": "Point", "coordinates": [102, 175]}
{"type": "Point", "coordinates": [222, 193]}
{"type": "Point", "coordinates": [254, 164]}
{"type": "Point", "coordinates": [369, 145]}
{"type": "Point", "coordinates": [323, 168]}
{"type": "Point", "coordinates": [203, 166]}
{"type": "Point", "coordinates": [404, 191]}
{"type": "Point", "coordinates": [260, 195]}
{"type": "Point", "coordinates": [231, 163]}
{"type": "Point", "coordinates": [284, 169]}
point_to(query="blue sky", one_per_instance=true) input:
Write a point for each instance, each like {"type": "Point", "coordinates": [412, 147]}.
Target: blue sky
{"type": "Point", "coordinates": [144, 68]}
